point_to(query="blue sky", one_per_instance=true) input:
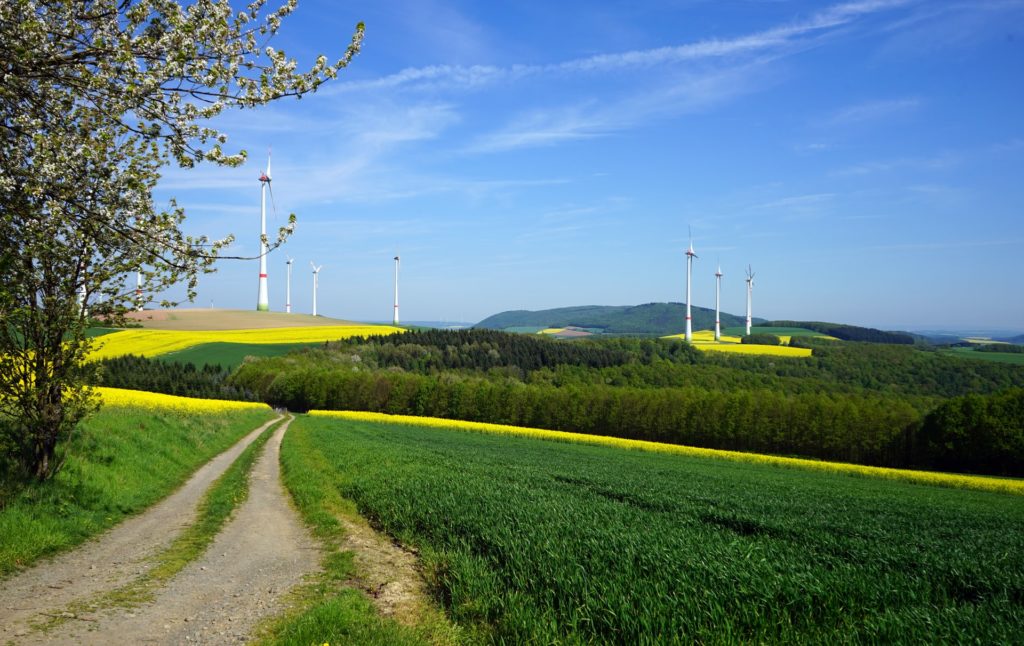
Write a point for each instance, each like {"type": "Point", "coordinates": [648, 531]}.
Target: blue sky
{"type": "Point", "coordinates": [865, 158]}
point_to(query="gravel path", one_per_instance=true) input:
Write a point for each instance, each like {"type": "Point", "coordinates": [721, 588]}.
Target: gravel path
{"type": "Point", "coordinates": [261, 553]}
{"type": "Point", "coordinates": [110, 561]}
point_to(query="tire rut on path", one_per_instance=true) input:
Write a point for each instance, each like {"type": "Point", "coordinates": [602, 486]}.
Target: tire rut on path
{"type": "Point", "coordinates": [262, 552]}
{"type": "Point", "coordinates": [111, 560]}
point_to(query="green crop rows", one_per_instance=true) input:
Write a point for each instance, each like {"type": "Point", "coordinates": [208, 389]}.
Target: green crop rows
{"type": "Point", "coordinates": [528, 541]}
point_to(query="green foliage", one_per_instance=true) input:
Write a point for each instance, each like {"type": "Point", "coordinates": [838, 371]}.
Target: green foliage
{"type": "Point", "coordinates": [980, 433]}
{"type": "Point", "coordinates": [527, 541]}
{"type": "Point", "coordinates": [655, 319]}
{"type": "Point", "coordinates": [430, 351]}
{"type": "Point", "coordinates": [124, 460]}
{"type": "Point", "coordinates": [762, 338]}
{"type": "Point", "coordinates": [170, 377]}
{"type": "Point", "coordinates": [847, 332]}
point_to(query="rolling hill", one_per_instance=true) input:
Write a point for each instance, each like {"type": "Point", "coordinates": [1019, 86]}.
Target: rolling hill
{"type": "Point", "coordinates": [222, 319]}
{"type": "Point", "coordinates": [650, 319]}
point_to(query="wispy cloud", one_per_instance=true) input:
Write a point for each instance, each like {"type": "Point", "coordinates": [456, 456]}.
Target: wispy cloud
{"type": "Point", "coordinates": [685, 94]}
{"type": "Point", "coordinates": [870, 111]}
{"type": "Point", "coordinates": [938, 162]}
{"type": "Point", "coordinates": [474, 76]}
{"type": "Point", "coordinates": [796, 201]}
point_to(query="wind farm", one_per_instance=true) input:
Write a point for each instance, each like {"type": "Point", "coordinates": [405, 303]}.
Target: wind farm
{"type": "Point", "coordinates": [544, 428]}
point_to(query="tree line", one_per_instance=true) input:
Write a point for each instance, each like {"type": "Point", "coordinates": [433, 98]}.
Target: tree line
{"type": "Point", "coordinates": [848, 332]}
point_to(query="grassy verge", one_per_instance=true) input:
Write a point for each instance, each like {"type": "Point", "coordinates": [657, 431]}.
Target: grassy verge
{"type": "Point", "coordinates": [329, 609]}
{"type": "Point", "coordinates": [124, 459]}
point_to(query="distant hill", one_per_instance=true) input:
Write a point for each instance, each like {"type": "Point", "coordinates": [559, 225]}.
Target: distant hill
{"type": "Point", "coordinates": [1019, 339]}
{"type": "Point", "coordinates": [848, 332]}
{"type": "Point", "coordinates": [651, 319]}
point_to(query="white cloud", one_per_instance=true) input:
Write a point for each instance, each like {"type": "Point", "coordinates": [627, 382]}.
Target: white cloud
{"type": "Point", "coordinates": [471, 77]}
{"type": "Point", "coordinates": [870, 111]}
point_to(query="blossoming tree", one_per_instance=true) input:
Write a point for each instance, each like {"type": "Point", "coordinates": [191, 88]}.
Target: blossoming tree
{"type": "Point", "coordinates": [96, 96]}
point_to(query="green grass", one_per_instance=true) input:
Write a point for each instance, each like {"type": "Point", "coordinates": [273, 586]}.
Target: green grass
{"type": "Point", "coordinates": [999, 357]}
{"type": "Point", "coordinates": [527, 541]}
{"type": "Point", "coordinates": [328, 609]}
{"type": "Point", "coordinates": [231, 355]}
{"type": "Point", "coordinates": [93, 332]}
{"type": "Point", "coordinates": [123, 460]}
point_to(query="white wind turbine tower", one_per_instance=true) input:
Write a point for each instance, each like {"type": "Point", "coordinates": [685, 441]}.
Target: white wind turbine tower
{"type": "Point", "coordinates": [316, 282]}
{"type": "Point", "coordinates": [397, 263]}
{"type": "Point", "coordinates": [750, 290]}
{"type": "Point", "coordinates": [288, 287]}
{"type": "Point", "coordinates": [263, 302]}
{"type": "Point", "coordinates": [689, 267]}
{"type": "Point", "coordinates": [718, 300]}
{"type": "Point", "coordinates": [138, 291]}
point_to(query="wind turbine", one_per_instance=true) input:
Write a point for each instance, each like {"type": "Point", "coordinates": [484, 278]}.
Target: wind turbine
{"type": "Point", "coordinates": [263, 302]}
{"type": "Point", "coordinates": [397, 263]}
{"type": "Point", "coordinates": [288, 287]}
{"type": "Point", "coordinates": [718, 300]}
{"type": "Point", "coordinates": [316, 282]}
{"type": "Point", "coordinates": [750, 289]}
{"type": "Point", "coordinates": [689, 268]}
{"type": "Point", "coordinates": [138, 291]}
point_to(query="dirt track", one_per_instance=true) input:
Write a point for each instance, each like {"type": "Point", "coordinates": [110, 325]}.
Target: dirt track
{"type": "Point", "coordinates": [260, 554]}
{"type": "Point", "coordinates": [113, 559]}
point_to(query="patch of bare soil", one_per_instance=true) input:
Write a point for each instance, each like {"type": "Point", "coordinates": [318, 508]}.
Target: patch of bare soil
{"type": "Point", "coordinates": [243, 578]}
{"type": "Point", "coordinates": [110, 561]}
{"type": "Point", "coordinates": [387, 572]}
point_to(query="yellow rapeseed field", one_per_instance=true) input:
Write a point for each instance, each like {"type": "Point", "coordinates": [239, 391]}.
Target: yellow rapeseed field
{"type": "Point", "coordinates": [150, 343]}
{"type": "Point", "coordinates": [904, 475]}
{"type": "Point", "coordinates": [705, 340]}
{"type": "Point", "coordinates": [157, 401]}
{"type": "Point", "coordinates": [552, 330]}
{"type": "Point", "coordinates": [772, 350]}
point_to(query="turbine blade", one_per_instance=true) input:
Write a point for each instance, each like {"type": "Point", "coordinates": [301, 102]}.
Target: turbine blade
{"type": "Point", "coordinates": [270, 187]}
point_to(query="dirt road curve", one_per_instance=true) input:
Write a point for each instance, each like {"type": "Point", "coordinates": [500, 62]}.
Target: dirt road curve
{"type": "Point", "coordinates": [112, 560]}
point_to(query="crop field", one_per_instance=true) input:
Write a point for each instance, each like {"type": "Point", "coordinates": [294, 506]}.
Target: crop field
{"type": "Point", "coordinates": [999, 357]}
{"type": "Point", "coordinates": [705, 340]}
{"type": "Point", "coordinates": [955, 480]}
{"type": "Point", "coordinates": [532, 541]}
{"type": "Point", "coordinates": [231, 355]}
{"type": "Point", "coordinates": [151, 343]}
{"type": "Point", "coordinates": [221, 319]}
{"type": "Point", "coordinates": [140, 399]}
